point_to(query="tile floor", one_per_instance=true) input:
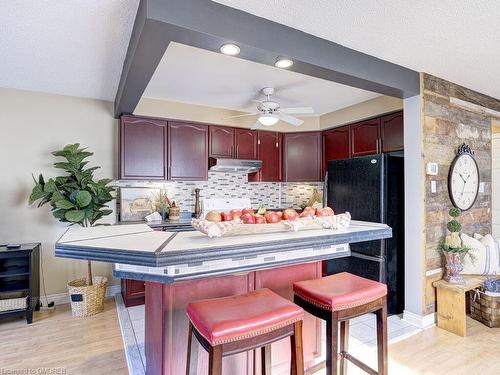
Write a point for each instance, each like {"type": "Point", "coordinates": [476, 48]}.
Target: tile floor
{"type": "Point", "coordinates": [362, 340]}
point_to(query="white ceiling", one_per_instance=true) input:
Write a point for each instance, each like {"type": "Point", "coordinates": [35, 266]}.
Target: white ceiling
{"type": "Point", "coordinates": [455, 40]}
{"type": "Point", "coordinates": [196, 76]}
{"type": "Point", "coordinates": [78, 47]}
{"type": "Point", "coordinates": [65, 47]}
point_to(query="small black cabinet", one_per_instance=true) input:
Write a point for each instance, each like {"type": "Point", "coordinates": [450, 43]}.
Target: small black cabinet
{"type": "Point", "coordinates": [19, 278]}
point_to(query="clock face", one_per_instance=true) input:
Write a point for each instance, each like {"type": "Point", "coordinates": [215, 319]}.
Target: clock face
{"type": "Point", "coordinates": [463, 181]}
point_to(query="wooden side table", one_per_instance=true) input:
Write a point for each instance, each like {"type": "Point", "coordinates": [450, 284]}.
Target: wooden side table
{"type": "Point", "coordinates": [451, 303]}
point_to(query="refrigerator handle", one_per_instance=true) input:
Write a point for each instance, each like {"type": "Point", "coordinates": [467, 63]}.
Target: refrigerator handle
{"type": "Point", "coordinates": [325, 190]}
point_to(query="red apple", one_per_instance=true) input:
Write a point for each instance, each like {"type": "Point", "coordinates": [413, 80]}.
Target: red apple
{"type": "Point", "coordinates": [248, 219]}
{"type": "Point", "coordinates": [325, 211]}
{"type": "Point", "coordinates": [259, 219]}
{"type": "Point", "coordinates": [308, 212]}
{"type": "Point", "coordinates": [226, 216]}
{"type": "Point", "coordinates": [280, 215]}
{"type": "Point", "coordinates": [236, 214]}
{"type": "Point", "coordinates": [290, 214]}
{"type": "Point", "coordinates": [247, 211]}
{"type": "Point", "coordinates": [272, 217]}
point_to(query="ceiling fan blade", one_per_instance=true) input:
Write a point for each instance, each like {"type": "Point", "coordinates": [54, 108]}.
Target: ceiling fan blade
{"type": "Point", "coordinates": [244, 115]}
{"type": "Point", "coordinates": [297, 110]}
{"type": "Point", "coordinates": [256, 125]}
{"type": "Point", "coordinates": [256, 100]}
{"type": "Point", "coordinates": [290, 119]}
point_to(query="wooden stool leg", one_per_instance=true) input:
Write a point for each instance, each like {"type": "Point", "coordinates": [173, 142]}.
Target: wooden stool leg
{"type": "Point", "coordinates": [344, 345]}
{"type": "Point", "coordinates": [266, 360]}
{"type": "Point", "coordinates": [297, 364]}
{"type": "Point", "coordinates": [382, 338]}
{"type": "Point", "coordinates": [215, 360]}
{"type": "Point", "coordinates": [332, 333]}
{"type": "Point", "coordinates": [192, 354]}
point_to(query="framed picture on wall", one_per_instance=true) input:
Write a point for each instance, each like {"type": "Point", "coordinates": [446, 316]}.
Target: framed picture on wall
{"type": "Point", "coordinates": [136, 203]}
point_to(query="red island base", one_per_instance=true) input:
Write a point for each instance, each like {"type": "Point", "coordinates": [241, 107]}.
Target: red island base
{"type": "Point", "coordinates": [167, 323]}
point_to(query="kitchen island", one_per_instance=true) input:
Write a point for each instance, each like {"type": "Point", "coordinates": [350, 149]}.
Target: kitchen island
{"type": "Point", "coordinates": [181, 267]}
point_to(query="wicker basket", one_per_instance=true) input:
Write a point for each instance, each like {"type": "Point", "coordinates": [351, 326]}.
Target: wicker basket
{"type": "Point", "coordinates": [13, 304]}
{"type": "Point", "coordinates": [485, 308]}
{"type": "Point", "coordinates": [87, 300]}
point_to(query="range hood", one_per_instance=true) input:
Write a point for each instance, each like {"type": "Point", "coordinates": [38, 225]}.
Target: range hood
{"type": "Point", "coordinates": [235, 165]}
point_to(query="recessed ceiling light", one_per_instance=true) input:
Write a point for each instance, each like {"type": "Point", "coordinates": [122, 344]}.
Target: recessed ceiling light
{"type": "Point", "coordinates": [230, 49]}
{"type": "Point", "coordinates": [283, 62]}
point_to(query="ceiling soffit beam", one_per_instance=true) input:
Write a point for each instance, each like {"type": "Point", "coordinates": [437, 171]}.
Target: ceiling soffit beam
{"type": "Point", "coordinates": [208, 25]}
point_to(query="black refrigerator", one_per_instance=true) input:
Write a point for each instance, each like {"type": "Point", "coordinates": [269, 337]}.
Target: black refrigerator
{"type": "Point", "coordinates": [371, 188]}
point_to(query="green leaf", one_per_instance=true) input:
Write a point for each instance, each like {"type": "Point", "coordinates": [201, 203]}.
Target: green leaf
{"type": "Point", "coordinates": [50, 186]}
{"type": "Point", "coordinates": [59, 214]}
{"type": "Point", "coordinates": [83, 198]}
{"type": "Point", "coordinates": [36, 194]}
{"type": "Point", "coordinates": [75, 216]}
{"type": "Point", "coordinates": [64, 204]}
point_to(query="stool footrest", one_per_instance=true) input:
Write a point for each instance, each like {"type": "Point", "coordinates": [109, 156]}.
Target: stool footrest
{"type": "Point", "coordinates": [358, 363]}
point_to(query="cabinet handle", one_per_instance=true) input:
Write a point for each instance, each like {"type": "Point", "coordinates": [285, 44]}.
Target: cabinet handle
{"type": "Point", "coordinates": [258, 141]}
{"type": "Point", "coordinates": [237, 150]}
{"type": "Point", "coordinates": [376, 144]}
{"type": "Point", "coordinates": [277, 145]}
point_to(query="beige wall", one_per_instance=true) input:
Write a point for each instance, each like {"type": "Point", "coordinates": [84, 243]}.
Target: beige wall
{"type": "Point", "coordinates": [32, 125]}
{"type": "Point", "coordinates": [212, 115]}
{"type": "Point", "coordinates": [361, 111]}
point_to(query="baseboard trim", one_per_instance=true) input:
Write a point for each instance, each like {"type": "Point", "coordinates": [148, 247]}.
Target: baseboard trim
{"type": "Point", "coordinates": [63, 298]}
{"type": "Point", "coordinates": [420, 321]}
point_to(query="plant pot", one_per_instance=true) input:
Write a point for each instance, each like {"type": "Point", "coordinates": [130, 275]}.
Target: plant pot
{"type": "Point", "coordinates": [453, 268]}
{"type": "Point", "coordinates": [174, 213]}
{"type": "Point", "coordinates": [87, 300]}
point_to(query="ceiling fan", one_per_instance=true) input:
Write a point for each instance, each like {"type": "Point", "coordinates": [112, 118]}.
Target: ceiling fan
{"type": "Point", "coordinates": [270, 112]}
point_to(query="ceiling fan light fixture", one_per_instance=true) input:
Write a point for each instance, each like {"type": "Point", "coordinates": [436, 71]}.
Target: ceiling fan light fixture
{"type": "Point", "coordinates": [230, 49]}
{"type": "Point", "coordinates": [283, 62]}
{"type": "Point", "coordinates": [268, 120]}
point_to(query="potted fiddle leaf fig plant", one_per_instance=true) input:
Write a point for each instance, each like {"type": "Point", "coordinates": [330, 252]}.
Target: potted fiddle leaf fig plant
{"type": "Point", "coordinates": [76, 198]}
{"type": "Point", "coordinates": [453, 249]}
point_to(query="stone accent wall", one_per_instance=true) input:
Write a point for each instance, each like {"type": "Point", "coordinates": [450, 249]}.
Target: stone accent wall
{"type": "Point", "coordinates": [453, 115]}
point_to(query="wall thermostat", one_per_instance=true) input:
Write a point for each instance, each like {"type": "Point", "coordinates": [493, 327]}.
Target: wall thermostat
{"type": "Point", "coordinates": [432, 169]}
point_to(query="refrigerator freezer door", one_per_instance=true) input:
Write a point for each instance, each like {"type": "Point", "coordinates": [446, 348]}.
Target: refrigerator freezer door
{"type": "Point", "coordinates": [357, 185]}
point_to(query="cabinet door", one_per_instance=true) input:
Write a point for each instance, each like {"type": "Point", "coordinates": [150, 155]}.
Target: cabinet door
{"type": "Point", "coordinates": [336, 145]}
{"type": "Point", "coordinates": [143, 148]}
{"type": "Point", "coordinates": [188, 151]}
{"type": "Point", "coordinates": [392, 132]}
{"type": "Point", "coordinates": [269, 151]}
{"type": "Point", "coordinates": [221, 142]}
{"type": "Point", "coordinates": [302, 156]}
{"type": "Point", "coordinates": [246, 144]}
{"type": "Point", "coordinates": [365, 137]}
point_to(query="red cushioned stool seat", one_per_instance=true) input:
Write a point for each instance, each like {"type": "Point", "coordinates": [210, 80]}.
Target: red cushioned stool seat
{"type": "Point", "coordinates": [339, 291]}
{"type": "Point", "coordinates": [337, 299]}
{"type": "Point", "coordinates": [222, 320]}
{"type": "Point", "coordinates": [236, 324]}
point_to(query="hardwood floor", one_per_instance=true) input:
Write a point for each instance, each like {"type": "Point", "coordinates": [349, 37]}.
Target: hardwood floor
{"type": "Point", "coordinates": [56, 340]}
{"type": "Point", "coordinates": [94, 346]}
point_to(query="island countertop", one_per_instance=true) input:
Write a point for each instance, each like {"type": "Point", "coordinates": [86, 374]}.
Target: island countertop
{"type": "Point", "coordinates": [141, 245]}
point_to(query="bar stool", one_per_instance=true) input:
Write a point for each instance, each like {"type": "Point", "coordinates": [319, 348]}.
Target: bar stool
{"type": "Point", "coordinates": [231, 325]}
{"type": "Point", "coordinates": [338, 298]}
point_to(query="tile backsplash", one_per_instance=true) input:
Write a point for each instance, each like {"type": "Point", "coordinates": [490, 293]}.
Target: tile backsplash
{"type": "Point", "coordinates": [232, 185]}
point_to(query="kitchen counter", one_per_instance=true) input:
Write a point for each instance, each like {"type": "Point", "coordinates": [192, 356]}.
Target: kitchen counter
{"type": "Point", "coordinates": [180, 267]}
{"type": "Point", "coordinates": [138, 244]}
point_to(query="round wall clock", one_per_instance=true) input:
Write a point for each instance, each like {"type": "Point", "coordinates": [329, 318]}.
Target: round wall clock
{"type": "Point", "coordinates": [463, 179]}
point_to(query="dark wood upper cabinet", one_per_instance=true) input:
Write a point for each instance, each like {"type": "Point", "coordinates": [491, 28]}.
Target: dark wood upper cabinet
{"type": "Point", "coordinates": [143, 154]}
{"type": "Point", "coordinates": [188, 151]}
{"type": "Point", "coordinates": [269, 150]}
{"type": "Point", "coordinates": [365, 136]}
{"type": "Point", "coordinates": [336, 145]}
{"type": "Point", "coordinates": [391, 127]}
{"type": "Point", "coordinates": [221, 142]}
{"type": "Point", "coordinates": [302, 157]}
{"type": "Point", "coordinates": [245, 141]}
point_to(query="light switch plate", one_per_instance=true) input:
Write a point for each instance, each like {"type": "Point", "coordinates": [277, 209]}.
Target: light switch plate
{"type": "Point", "coordinates": [433, 186]}
{"type": "Point", "coordinates": [432, 169]}
{"type": "Point", "coordinates": [481, 187]}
